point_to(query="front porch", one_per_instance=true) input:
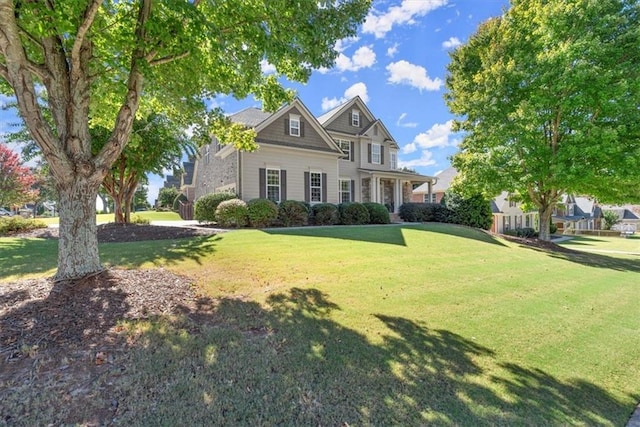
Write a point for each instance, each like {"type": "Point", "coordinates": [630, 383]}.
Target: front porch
{"type": "Point", "coordinates": [391, 189]}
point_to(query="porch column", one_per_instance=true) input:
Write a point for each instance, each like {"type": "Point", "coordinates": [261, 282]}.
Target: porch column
{"type": "Point", "coordinates": [376, 189]}
{"type": "Point", "coordinates": [397, 196]}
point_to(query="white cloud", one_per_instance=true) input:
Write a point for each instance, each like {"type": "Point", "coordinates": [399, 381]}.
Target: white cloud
{"type": "Point", "coordinates": [363, 57]}
{"type": "Point", "coordinates": [425, 160]}
{"type": "Point", "coordinates": [407, 124]}
{"type": "Point", "coordinates": [410, 148]}
{"type": "Point", "coordinates": [358, 89]}
{"type": "Point", "coordinates": [452, 43]}
{"type": "Point", "coordinates": [391, 52]}
{"type": "Point", "coordinates": [266, 67]}
{"type": "Point", "coordinates": [438, 136]}
{"type": "Point", "coordinates": [343, 44]}
{"type": "Point", "coordinates": [380, 24]}
{"type": "Point", "coordinates": [403, 72]}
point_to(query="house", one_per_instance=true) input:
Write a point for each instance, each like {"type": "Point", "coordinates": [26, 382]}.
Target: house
{"type": "Point", "coordinates": [434, 192]}
{"type": "Point", "coordinates": [577, 213]}
{"type": "Point", "coordinates": [507, 214]}
{"type": "Point", "coordinates": [345, 155]}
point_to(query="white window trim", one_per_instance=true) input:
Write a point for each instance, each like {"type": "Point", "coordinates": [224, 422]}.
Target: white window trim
{"type": "Point", "coordinates": [348, 145]}
{"type": "Point", "coordinates": [373, 153]}
{"type": "Point", "coordinates": [272, 185]}
{"type": "Point", "coordinates": [355, 118]}
{"type": "Point", "coordinates": [341, 191]}
{"type": "Point", "coordinates": [393, 161]}
{"type": "Point", "coordinates": [311, 187]}
{"type": "Point", "coordinates": [294, 118]}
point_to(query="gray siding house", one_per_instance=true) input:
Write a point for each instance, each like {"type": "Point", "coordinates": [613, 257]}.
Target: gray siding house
{"type": "Point", "coordinates": [344, 155]}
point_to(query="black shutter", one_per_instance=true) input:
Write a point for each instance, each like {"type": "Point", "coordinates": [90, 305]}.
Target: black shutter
{"type": "Point", "coordinates": [350, 119]}
{"type": "Point", "coordinates": [286, 127]}
{"type": "Point", "coordinates": [307, 187]}
{"type": "Point", "coordinates": [353, 190]}
{"type": "Point", "coordinates": [382, 154]}
{"type": "Point", "coordinates": [352, 155]}
{"type": "Point", "coordinates": [301, 128]}
{"type": "Point", "coordinates": [324, 188]}
{"type": "Point", "coordinates": [369, 152]}
{"type": "Point", "coordinates": [262, 182]}
{"type": "Point", "coordinates": [283, 185]}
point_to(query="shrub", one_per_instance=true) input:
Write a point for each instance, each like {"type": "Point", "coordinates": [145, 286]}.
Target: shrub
{"type": "Point", "coordinates": [232, 213]}
{"type": "Point", "coordinates": [609, 219]}
{"type": "Point", "coordinates": [205, 207]}
{"type": "Point", "coordinates": [474, 211]}
{"type": "Point", "coordinates": [412, 212]}
{"type": "Point", "coordinates": [16, 224]}
{"type": "Point", "coordinates": [526, 232]}
{"type": "Point", "coordinates": [553, 229]}
{"type": "Point", "coordinates": [137, 219]}
{"type": "Point", "coordinates": [261, 212]}
{"type": "Point", "coordinates": [353, 213]}
{"type": "Point", "coordinates": [176, 202]}
{"type": "Point", "coordinates": [435, 212]}
{"type": "Point", "coordinates": [292, 213]}
{"type": "Point", "coordinates": [378, 214]}
{"type": "Point", "coordinates": [325, 214]}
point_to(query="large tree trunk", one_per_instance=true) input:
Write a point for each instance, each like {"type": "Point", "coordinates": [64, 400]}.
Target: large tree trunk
{"type": "Point", "coordinates": [78, 244]}
{"type": "Point", "coordinates": [544, 215]}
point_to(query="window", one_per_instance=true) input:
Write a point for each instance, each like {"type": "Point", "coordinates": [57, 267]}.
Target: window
{"type": "Point", "coordinates": [375, 154]}
{"type": "Point", "coordinates": [273, 185]}
{"type": "Point", "coordinates": [394, 161]}
{"type": "Point", "coordinates": [294, 125]}
{"type": "Point", "coordinates": [506, 223]}
{"type": "Point", "coordinates": [345, 190]}
{"type": "Point", "coordinates": [315, 187]}
{"type": "Point", "coordinates": [428, 199]}
{"type": "Point", "coordinates": [512, 204]}
{"type": "Point", "coordinates": [345, 146]}
{"type": "Point", "coordinates": [355, 118]}
{"type": "Point", "coordinates": [527, 221]}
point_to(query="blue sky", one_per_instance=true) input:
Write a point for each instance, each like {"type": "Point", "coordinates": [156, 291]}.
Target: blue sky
{"type": "Point", "coordinates": [397, 65]}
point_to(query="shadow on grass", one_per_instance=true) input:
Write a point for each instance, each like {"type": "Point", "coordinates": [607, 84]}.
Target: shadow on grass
{"type": "Point", "coordinates": [391, 234]}
{"type": "Point", "coordinates": [591, 259]}
{"type": "Point", "coordinates": [235, 362]}
{"type": "Point", "coordinates": [33, 256]}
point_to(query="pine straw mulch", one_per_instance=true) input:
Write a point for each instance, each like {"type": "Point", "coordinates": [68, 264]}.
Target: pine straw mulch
{"type": "Point", "coordinates": [60, 338]}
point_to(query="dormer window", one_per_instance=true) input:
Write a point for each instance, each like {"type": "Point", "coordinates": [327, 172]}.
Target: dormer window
{"type": "Point", "coordinates": [355, 118]}
{"type": "Point", "coordinates": [294, 125]}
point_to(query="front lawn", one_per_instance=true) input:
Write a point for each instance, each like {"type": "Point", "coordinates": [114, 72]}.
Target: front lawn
{"type": "Point", "coordinates": [612, 245]}
{"type": "Point", "coordinates": [379, 325]}
{"type": "Point", "coordinates": [104, 218]}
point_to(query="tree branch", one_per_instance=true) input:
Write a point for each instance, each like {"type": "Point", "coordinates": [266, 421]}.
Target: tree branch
{"type": "Point", "coordinates": [89, 16]}
{"type": "Point", "coordinates": [168, 59]}
{"type": "Point", "coordinates": [4, 72]}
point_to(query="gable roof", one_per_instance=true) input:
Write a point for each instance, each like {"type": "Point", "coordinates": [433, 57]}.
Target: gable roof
{"type": "Point", "coordinates": [443, 182]}
{"type": "Point", "coordinates": [331, 115]}
{"type": "Point", "coordinates": [250, 117]}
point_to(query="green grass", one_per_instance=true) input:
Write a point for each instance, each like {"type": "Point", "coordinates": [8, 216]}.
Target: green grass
{"type": "Point", "coordinates": [103, 218]}
{"type": "Point", "coordinates": [629, 245]}
{"type": "Point", "coordinates": [383, 325]}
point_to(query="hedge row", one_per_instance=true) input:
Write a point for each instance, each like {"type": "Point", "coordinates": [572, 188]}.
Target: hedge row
{"type": "Point", "coordinates": [473, 211]}
{"type": "Point", "coordinates": [229, 211]}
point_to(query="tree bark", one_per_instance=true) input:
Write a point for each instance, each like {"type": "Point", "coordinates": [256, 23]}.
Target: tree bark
{"type": "Point", "coordinates": [78, 244]}
{"type": "Point", "coordinates": [544, 214]}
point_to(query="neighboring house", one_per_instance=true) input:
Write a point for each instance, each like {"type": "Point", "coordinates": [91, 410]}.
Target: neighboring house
{"type": "Point", "coordinates": [507, 214]}
{"type": "Point", "coordinates": [345, 155]}
{"type": "Point", "coordinates": [629, 216]}
{"type": "Point", "coordinates": [434, 192]}
{"type": "Point", "coordinates": [577, 213]}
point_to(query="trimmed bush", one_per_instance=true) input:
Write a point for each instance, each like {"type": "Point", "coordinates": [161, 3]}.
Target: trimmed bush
{"type": "Point", "coordinates": [435, 212]}
{"type": "Point", "coordinates": [526, 232]}
{"type": "Point", "coordinates": [292, 213]}
{"type": "Point", "coordinates": [16, 224]}
{"type": "Point", "coordinates": [353, 213]}
{"type": "Point", "coordinates": [474, 211]}
{"type": "Point", "coordinates": [378, 214]}
{"type": "Point", "coordinates": [261, 212]}
{"type": "Point", "coordinates": [232, 213]}
{"type": "Point", "coordinates": [412, 212]}
{"type": "Point", "coordinates": [325, 214]}
{"type": "Point", "coordinates": [205, 207]}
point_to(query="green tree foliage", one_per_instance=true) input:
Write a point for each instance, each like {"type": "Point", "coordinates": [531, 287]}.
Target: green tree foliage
{"type": "Point", "coordinates": [16, 180]}
{"type": "Point", "coordinates": [104, 63]}
{"type": "Point", "coordinates": [609, 219]}
{"type": "Point", "coordinates": [166, 196]}
{"type": "Point", "coordinates": [548, 98]}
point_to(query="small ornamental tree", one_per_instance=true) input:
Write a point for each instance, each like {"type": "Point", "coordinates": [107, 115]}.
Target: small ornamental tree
{"type": "Point", "coordinates": [609, 219]}
{"type": "Point", "coordinates": [166, 196]}
{"type": "Point", "coordinates": [16, 180]}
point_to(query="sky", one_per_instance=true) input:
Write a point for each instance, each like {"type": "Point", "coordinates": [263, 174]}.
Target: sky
{"type": "Point", "coordinates": [397, 65]}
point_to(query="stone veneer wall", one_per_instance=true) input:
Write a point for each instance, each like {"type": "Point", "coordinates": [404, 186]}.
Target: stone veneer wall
{"type": "Point", "coordinates": [407, 192]}
{"type": "Point", "coordinates": [215, 174]}
{"type": "Point", "coordinates": [366, 190]}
